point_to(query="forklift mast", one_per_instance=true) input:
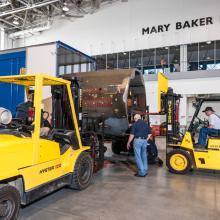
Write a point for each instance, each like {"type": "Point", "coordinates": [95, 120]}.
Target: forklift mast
{"type": "Point", "coordinates": [170, 107]}
{"type": "Point", "coordinates": [168, 104]}
{"type": "Point", "coordinates": [91, 133]}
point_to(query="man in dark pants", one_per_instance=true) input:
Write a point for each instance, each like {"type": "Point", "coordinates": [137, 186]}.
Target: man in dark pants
{"type": "Point", "coordinates": [140, 132]}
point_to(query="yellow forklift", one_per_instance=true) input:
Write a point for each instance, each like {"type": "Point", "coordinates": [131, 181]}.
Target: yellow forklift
{"type": "Point", "coordinates": [32, 163]}
{"type": "Point", "coordinates": [182, 154]}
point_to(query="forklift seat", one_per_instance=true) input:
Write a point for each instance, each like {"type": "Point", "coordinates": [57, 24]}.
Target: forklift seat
{"type": "Point", "coordinates": [64, 138]}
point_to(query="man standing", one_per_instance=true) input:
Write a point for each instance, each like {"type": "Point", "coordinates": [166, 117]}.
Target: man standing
{"type": "Point", "coordinates": [140, 132]}
{"type": "Point", "coordinates": [214, 126]}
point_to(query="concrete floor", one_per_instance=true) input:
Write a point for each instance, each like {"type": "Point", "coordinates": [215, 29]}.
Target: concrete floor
{"type": "Point", "coordinates": [115, 194]}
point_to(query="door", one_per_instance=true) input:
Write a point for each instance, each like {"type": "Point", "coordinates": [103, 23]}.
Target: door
{"type": "Point", "coordinates": [11, 95]}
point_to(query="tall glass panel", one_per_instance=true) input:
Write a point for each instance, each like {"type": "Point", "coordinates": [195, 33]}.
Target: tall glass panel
{"type": "Point", "coordinates": [162, 60]}
{"type": "Point", "coordinates": [61, 70]}
{"type": "Point", "coordinates": [206, 55]}
{"type": "Point", "coordinates": [174, 58]}
{"type": "Point", "coordinates": [192, 56]}
{"type": "Point", "coordinates": [69, 69]}
{"type": "Point", "coordinates": [149, 61]}
{"type": "Point", "coordinates": [217, 54]}
{"type": "Point", "coordinates": [101, 62]}
{"type": "Point", "coordinates": [123, 60]}
{"type": "Point", "coordinates": [135, 59]}
{"type": "Point", "coordinates": [112, 61]}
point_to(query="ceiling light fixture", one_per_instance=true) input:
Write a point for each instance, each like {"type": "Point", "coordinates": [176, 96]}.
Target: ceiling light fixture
{"type": "Point", "coordinates": [15, 21]}
{"type": "Point", "coordinates": [208, 42]}
{"type": "Point", "coordinates": [65, 8]}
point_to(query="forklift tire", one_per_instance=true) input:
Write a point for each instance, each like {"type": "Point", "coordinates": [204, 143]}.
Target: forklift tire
{"type": "Point", "coordinates": [179, 161]}
{"type": "Point", "coordinates": [83, 172]}
{"type": "Point", "coordinates": [10, 201]}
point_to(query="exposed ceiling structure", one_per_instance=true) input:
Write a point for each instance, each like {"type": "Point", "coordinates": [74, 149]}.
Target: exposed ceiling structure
{"type": "Point", "coordinates": [22, 18]}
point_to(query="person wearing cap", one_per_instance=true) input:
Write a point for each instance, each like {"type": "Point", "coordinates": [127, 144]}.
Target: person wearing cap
{"type": "Point", "coordinates": [140, 132]}
{"type": "Point", "coordinates": [214, 126]}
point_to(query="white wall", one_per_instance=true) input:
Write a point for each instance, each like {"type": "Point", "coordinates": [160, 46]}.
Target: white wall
{"type": "Point", "coordinates": [119, 26]}
{"type": "Point", "coordinates": [9, 43]}
{"type": "Point", "coordinates": [42, 60]}
{"type": "Point", "coordinates": [5, 42]}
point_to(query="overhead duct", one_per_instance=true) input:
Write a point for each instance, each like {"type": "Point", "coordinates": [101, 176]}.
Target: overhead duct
{"type": "Point", "coordinates": [4, 4]}
{"type": "Point", "coordinates": [21, 34]}
{"type": "Point", "coordinates": [27, 8]}
{"type": "Point", "coordinates": [22, 16]}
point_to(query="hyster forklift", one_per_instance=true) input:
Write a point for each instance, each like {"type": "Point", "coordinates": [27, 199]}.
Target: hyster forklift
{"type": "Point", "coordinates": [31, 164]}
{"type": "Point", "coordinates": [182, 154]}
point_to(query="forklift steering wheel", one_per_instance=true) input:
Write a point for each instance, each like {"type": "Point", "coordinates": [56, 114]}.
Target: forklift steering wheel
{"type": "Point", "coordinates": [201, 122]}
{"type": "Point", "coordinates": [16, 123]}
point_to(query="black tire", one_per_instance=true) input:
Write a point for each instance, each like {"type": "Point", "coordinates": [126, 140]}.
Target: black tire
{"type": "Point", "coordinates": [179, 161]}
{"type": "Point", "coordinates": [83, 172]}
{"type": "Point", "coordinates": [10, 201]}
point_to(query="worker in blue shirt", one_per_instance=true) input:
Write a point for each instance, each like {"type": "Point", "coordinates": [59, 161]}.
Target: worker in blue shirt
{"type": "Point", "coordinates": [140, 132]}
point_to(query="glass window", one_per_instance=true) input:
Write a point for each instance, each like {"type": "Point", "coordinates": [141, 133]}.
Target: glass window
{"type": "Point", "coordinates": [162, 60]}
{"type": "Point", "coordinates": [123, 60]}
{"type": "Point", "coordinates": [217, 54]}
{"type": "Point", "coordinates": [174, 58]}
{"type": "Point", "coordinates": [206, 55]}
{"type": "Point", "coordinates": [112, 61]}
{"type": "Point", "coordinates": [68, 69]}
{"type": "Point", "coordinates": [101, 62]}
{"type": "Point", "coordinates": [76, 68]}
{"type": "Point", "coordinates": [83, 67]}
{"type": "Point", "coordinates": [61, 70]}
{"type": "Point", "coordinates": [69, 57]}
{"type": "Point", "coordinates": [135, 59]}
{"type": "Point", "coordinates": [149, 61]}
{"type": "Point", "coordinates": [192, 56]}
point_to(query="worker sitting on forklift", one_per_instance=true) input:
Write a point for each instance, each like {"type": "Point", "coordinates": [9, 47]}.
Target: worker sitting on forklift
{"type": "Point", "coordinates": [25, 112]}
{"type": "Point", "coordinates": [212, 129]}
{"type": "Point", "coordinates": [22, 108]}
